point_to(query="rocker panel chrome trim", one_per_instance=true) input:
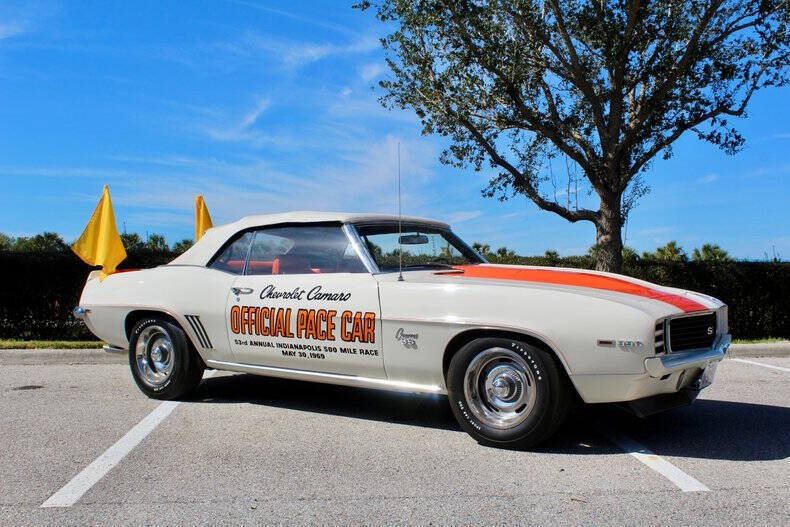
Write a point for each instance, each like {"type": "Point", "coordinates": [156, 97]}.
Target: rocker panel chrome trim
{"type": "Point", "coordinates": [351, 380]}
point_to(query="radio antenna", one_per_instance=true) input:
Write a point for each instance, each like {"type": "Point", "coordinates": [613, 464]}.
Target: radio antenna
{"type": "Point", "coordinates": [400, 225]}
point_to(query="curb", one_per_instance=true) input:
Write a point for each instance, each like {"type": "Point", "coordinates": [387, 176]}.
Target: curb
{"type": "Point", "coordinates": [60, 356]}
{"type": "Point", "coordinates": [768, 349]}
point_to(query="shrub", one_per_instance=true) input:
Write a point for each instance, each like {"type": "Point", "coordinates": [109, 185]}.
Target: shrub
{"type": "Point", "coordinates": [38, 290]}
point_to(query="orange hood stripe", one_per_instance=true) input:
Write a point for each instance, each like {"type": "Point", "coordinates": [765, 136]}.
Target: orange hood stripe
{"type": "Point", "coordinates": [571, 278]}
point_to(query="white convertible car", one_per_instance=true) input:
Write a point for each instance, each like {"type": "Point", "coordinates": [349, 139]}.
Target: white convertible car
{"type": "Point", "coordinates": [319, 297]}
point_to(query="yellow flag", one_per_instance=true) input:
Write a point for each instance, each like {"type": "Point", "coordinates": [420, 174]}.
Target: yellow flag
{"type": "Point", "coordinates": [100, 243]}
{"type": "Point", "coordinates": [202, 218]}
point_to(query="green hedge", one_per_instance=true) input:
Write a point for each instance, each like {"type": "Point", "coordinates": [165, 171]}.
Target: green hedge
{"type": "Point", "coordinates": [39, 290]}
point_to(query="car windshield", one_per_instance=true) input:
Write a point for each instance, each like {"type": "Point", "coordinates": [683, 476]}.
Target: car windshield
{"type": "Point", "coordinates": [423, 246]}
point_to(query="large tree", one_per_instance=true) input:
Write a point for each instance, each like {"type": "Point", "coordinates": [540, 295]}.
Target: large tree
{"type": "Point", "coordinates": [598, 87]}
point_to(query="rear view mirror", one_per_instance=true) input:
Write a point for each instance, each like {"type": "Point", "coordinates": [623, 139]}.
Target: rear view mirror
{"type": "Point", "coordinates": [413, 239]}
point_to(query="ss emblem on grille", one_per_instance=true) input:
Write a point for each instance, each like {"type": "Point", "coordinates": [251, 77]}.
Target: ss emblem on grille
{"type": "Point", "coordinates": [710, 330]}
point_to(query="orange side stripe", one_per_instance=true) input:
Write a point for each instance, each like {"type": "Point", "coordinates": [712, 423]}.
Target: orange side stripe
{"type": "Point", "coordinates": [571, 278]}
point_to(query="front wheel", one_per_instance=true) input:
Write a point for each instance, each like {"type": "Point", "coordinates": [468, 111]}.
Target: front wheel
{"type": "Point", "coordinates": [507, 393]}
{"type": "Point", "coordinates": [163, 364]}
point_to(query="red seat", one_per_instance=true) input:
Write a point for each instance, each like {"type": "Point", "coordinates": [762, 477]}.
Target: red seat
{"type": "Point", "coordinates": [259, 267]}
{"type": "Point", "coordinates": [291, 264]}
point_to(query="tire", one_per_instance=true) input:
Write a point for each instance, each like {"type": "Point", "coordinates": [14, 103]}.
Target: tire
{"type": "Point", "coordinates": [507, 393]}
{"type": "Point", "coordinates": [162, 361]}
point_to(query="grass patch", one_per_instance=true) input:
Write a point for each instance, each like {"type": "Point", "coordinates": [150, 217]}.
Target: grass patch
{"type": "Point", "coordinates": [10, 344]}
{"type": "Point", "coordinates": [766, 340]}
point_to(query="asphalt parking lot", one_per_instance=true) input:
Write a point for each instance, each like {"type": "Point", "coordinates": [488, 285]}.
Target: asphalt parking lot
{"type": "Point", "coordinates": [249, 449]}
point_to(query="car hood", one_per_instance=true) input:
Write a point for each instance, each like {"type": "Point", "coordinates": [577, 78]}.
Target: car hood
{"type": "Point", "coordinates": [610, 286]}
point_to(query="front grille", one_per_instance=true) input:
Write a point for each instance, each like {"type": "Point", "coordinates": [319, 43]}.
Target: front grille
{"type": "Point", "coordinates": [692, 332]}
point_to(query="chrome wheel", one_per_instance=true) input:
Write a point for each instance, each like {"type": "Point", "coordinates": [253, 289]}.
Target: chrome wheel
{"type": "Point", "coordinates": [500, 388]}
{"type": "Point", "coordinates": [154, 356]}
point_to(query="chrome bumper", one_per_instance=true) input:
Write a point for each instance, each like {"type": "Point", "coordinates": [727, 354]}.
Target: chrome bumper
{"type": "Point", "coordinates": [672, 362]}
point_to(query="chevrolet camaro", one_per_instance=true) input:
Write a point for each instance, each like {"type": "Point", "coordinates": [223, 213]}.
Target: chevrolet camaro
{"type": "Point", "coordinates": [404, 304]}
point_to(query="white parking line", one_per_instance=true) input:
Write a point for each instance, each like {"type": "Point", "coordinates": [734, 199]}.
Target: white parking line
{"type": "Point", "coordinates": [682, 480]}
{"type": "Point", "coordinates": [72, 491]}
{"type": "Point", "coordinates": [90, 475]}
{"type": "Point", "coordinates": [761, 364]}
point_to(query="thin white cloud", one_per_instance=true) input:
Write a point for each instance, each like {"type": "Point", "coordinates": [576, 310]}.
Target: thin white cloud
{"type": "Point", "coordinates": [24, 17]}
{"type": "Point", "coordinates": [463, 215]}
{"type": "Point", "coordinates": [293, 16]}
{"type": "Point", "coordinates": [155, 192]}
{"type": "Point", "coordinates": [11, 28]}
{"type": "Point", "coordinates": [656, 231]}
{"type": "Point", "coordinates": [768, 171]}
{"type": "Point", "coordinates": [294, 54]}
{"type": "Point", "coordinates": [368, 72]}
{"type": "Point", "coordinates": [68, 172]}
{"type": "Point", "coordinates": [242, 129]}
{"type": "Point", "coordinates": [252, 116]}
{"type": "Point", "coordinates": [708, 178]}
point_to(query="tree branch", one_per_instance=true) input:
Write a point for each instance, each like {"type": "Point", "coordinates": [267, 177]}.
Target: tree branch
{"type": "Point", "coordinates": [583, 83]}
{"type": "Point", "coordinates": [524, 183]}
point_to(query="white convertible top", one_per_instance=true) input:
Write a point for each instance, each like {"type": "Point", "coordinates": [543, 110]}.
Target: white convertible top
{"type": "Point", "coordinates": [214, 238]}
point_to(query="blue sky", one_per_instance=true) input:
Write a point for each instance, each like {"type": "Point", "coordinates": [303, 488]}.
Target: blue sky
{"type": "Point", "coordinates": [267, 106]}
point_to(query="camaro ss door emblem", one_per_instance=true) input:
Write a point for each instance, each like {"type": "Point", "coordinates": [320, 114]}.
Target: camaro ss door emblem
{"type": "Point", "coordinates": [409, 340]}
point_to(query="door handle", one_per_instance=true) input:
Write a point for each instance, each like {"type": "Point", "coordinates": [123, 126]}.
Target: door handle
{"type": "Point", "coordinates": [241, 290]}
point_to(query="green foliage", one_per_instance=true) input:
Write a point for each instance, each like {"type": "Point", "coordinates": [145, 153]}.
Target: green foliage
{"type": "Point", "coordinates": [552, 258]}
{"type": "Point", "coordinates": [502, 255]}
{"type": "Point", "coordinates": [46, 241]}
{"type": "Point", "coordinates": [630, 256]}
{"type": "Point", "coordinates": [505, 254]}
{"type": "Point", "coordinates": [671, 252]}
{"type": "Point", "coordinates": [6, 242]}
{"type": "Point", "coordinates": [157, 242]}
{"type": "Point", "coordinates": [482, 249]}
{"type": "Point", "coordinates": [39, 289]}
{"type": "Point", "coordinates": [603, 87]}
{"type": "Point", "coordinates": [132, 241]}
{"type": "Point", "coordinates": [14, 344]}
{"type": "Point", "coordinates": [181, 246]}
{"type": "Point", "coordinates": [710, 253]}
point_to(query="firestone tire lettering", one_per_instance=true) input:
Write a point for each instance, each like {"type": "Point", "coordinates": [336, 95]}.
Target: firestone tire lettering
{"type": "Point", "coordinates": [552, 398]}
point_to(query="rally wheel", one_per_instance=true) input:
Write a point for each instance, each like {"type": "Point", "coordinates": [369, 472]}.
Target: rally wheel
{"type": "Point", "coordinates": [507, 393]}
{"type": "Point", "coordinates": [163, 363]}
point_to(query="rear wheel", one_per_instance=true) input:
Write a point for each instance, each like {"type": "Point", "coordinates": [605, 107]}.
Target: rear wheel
{"type": "Point", "coordinates": [507, 393]}
{"type": "Point", "coordinates": [163, 364]}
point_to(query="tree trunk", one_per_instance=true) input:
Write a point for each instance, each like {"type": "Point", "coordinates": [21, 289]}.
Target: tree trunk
{"type": "Point", "coordinates": [609, 241]}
